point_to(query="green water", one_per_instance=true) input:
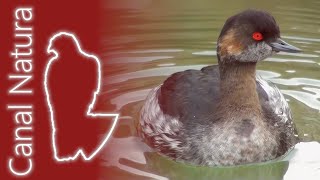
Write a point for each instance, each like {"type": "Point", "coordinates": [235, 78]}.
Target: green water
{"type": "Point", "coordinates": [159, 38]}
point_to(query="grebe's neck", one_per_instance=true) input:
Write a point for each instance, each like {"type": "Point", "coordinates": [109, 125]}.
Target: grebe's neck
{"type": "Point", "coordinates": [238, 87]}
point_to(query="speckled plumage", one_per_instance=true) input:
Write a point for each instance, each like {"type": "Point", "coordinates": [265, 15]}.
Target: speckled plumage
{"type": "Point", "coordinates": [189, 136]}
{"type": "Point", "coordinates": [222, 115]}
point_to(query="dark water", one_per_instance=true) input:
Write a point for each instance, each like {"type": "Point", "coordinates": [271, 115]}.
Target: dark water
{"type": "Point", "coordinates": [159, 38]}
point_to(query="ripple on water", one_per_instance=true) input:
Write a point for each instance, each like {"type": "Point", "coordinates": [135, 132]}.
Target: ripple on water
{"type": "Point", "coordinates": [309, 97]}
{"type": "Point", "coordinates": [166, 64]}
{"type": "Point", "coordinates": [299, 55]}
{"type": "Point", "coordinates": [205, 53]}
{"type": "Point", "coordinates": [290, 71]}
{"type": "Point", "coordinates": [304, 162]}
{"type": "Point", "coordinates": [136, 59]}
{"type": "Point", "coordinates": [302, 38]}
{"type": "Point", "coordinates": [156, 51]}
{"type": "Point", "coordinates": [273, 59]}
{"type": "Point", "coordinates": [297, 82]}
{"type": "Point", "coordinates": [129, 97]}
{"type": "Point", "coordinates": [160, 71]}
{"type": "Point", "coordinates": [165, 39]}
{"type": "Point", "coordinates": [132, 149]}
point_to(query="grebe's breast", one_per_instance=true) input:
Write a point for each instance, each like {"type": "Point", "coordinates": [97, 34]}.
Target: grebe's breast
{"type": "Point", "coordinates": [175, 119]}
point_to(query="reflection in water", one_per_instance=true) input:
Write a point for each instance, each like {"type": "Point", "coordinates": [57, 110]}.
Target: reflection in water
{"type": "Point", "coordinates": [137, 59]}
{"type": "Point", "coordinates": [166, 37]}
{"type": "Point", "coordinates": [311, 100]}
{"type": "Point", "coordinates": [159, 71]}
{"type": "Point", "coordinates": [289, 60]}
{"type": "Point", "coordinates": [303, 162]}
{"type": "Point", "coordinates": [130, 148]}
{"type": "Point", "coordinates": [130, 97]}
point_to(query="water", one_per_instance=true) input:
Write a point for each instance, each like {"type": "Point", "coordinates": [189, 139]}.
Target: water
{"type": "Point", "coordinates": [158, 38]}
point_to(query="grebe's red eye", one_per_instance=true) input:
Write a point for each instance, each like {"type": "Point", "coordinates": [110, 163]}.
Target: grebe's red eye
{"type": "Point", "coordinates": [257, 36]}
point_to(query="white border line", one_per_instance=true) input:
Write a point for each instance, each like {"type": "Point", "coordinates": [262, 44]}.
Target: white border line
{"type": "Point", "coordinates": [89, 112]}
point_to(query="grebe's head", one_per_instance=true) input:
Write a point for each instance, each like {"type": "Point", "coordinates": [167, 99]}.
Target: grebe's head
{"type": "Point", "coordinates": [250, 36]}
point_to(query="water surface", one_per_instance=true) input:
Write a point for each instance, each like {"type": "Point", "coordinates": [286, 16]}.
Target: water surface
{"type": "Point", "coordinates": [158, 38]}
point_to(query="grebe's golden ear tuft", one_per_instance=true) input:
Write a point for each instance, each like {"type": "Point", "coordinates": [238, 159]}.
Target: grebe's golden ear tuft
{"type": "Point", "coordinates": [229, 45]}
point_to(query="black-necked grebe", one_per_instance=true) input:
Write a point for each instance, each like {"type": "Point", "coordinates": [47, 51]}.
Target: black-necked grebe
{"type": "Point", "coordinates": [225, 114]}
